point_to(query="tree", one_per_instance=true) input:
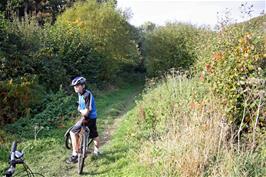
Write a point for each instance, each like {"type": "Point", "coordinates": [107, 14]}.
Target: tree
{"type": "Point", "coordinates": [109, 32]}
{"type": "Point", "coordinates": [42, 10]}
{"type": "Point", "coordinates": [170, 46]}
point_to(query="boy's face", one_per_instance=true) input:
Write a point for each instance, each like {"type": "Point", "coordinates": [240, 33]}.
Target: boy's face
{"type": "Point", "coordinates": [79, 88]}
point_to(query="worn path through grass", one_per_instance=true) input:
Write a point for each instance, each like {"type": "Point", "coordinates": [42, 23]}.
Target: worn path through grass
{"type": "Point", "coordinates": [47, 154]}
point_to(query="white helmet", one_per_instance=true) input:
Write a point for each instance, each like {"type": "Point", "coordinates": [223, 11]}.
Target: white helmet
{"type": "Point", "coordinates": [78, 80]}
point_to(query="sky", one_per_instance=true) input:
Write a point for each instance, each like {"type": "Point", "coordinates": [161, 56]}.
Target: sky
{"type": "Point", "coordinates": [195, 12]}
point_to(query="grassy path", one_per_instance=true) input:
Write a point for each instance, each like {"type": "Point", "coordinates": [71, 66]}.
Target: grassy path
{"type": "Point", "coordinates": [47, 154]}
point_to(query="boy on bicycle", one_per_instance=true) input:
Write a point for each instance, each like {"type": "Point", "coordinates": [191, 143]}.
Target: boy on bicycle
{"type": "Point", "coordinates": [88, 112]}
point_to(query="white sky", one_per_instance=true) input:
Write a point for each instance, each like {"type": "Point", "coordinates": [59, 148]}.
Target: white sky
{"type": "Point", "coordinates": [194, 12]}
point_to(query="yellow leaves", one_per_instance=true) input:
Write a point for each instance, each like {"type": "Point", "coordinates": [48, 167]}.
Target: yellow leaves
{"type": "Point", "coordinates": [241, 40]}
{"type": "Point", "coordinates": [248, 36]}
{"type": "Point", "coordinates": [10, 82]}
{"type": "Point", "coordinates": [252, 47]}
{"type": "Point", "coordinates": [78, 22]}
{"type": "Point", "coordinates": [245, 42]}
{"type": "Point", "coordinates": [246, 55]}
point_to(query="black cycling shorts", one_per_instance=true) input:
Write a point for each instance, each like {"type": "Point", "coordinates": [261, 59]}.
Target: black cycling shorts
{"type": "Point", "coordinates": [91, 124]}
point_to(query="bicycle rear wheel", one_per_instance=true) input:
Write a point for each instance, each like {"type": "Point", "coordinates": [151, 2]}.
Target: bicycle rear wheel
{"type": "Point", "coordinates": [82, 154]}
{"type": "Point", "coordinates": [68, 142]}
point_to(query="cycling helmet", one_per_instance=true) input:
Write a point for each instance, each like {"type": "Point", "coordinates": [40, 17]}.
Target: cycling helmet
{"type": "Point", "coordinates": [78, 80]}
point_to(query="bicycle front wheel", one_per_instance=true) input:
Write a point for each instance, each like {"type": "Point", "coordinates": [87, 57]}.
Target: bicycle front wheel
{"type": "Point", "coordinates": [82, 154]}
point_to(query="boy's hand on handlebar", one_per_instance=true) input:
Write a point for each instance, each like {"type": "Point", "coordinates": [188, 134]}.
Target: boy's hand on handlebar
{"type": "Point", "coordinates": [84, 112]}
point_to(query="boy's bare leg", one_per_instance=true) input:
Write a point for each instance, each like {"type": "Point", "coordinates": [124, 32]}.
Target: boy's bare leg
{"type": "Point", "coordinates": [96, 142]}
{"type": "Point", "coordinates": [75, 142]}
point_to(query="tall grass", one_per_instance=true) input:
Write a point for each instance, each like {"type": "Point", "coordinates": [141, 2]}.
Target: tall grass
{"type": "Point", "coordinates": [185, 133]}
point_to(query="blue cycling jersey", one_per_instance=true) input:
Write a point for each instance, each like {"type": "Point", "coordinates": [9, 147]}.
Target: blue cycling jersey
{"type": "Point", "coordinates": [86, 100]}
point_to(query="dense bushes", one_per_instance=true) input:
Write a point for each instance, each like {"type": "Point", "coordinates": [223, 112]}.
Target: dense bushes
{"type": "Point", "coordinates": [232, 63]}
{"type": "Point", "coordinates": [214, 123]}
{"type": "Point", "coordinates": [57, 108]}
{"type": "Point", "coordinates": [2, 28]}
{"type": "Point", "coordinates": [19, 87]}
{"type": "Point", "coordinates": [99, 45]}
{"type": "Point", "coordinates": [170, 46]}
{"type": "Point", "coordinates": [231, 59]}
{"type": "Point", "coordinates": [18, 97]}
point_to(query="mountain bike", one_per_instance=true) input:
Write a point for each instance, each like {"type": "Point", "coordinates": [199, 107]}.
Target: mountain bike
{"type": "Point", "coordinates": [17, 157]}
{"type": "Point", "coordinates": [85, 142]}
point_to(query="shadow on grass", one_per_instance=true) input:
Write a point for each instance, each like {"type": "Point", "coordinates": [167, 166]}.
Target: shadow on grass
{"type": "Point", "coordinates": [106, 158]}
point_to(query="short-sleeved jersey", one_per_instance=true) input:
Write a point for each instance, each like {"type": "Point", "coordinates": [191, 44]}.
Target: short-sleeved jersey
{"type": "Point", "coordinates": [86, 100]}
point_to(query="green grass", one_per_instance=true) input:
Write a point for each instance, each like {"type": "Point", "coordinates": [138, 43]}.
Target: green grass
{"type": "Point", "coordinates": [47, 153]}
{"type": "Point", "coordinates": [119, 157]}
{"type": "Point", "coordinates": [174, 130]}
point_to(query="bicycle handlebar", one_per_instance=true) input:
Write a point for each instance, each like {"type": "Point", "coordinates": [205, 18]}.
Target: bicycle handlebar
{"type": "Point", "coordinates": [14, 146]}
{"type": "Point", "coordinates": [13, 161]}
{"type": "Point", "coordinates": [10, 171]}
{"type": "Point", "coordinates": [12, 153]}
{"type": "Point", "coordinates": [16, 157]}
